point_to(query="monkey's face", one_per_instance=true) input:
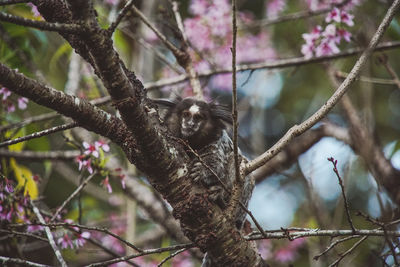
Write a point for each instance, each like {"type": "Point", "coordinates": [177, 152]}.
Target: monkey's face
{"type": "Point", "coordinates": [193, 120]}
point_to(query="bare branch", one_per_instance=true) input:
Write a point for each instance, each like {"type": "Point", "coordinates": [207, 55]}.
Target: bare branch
{"type": "Point", "coordinates": [71, 196]}
{"type": "Point", "coordinates": [333, 244]}
{"type": "Point", "coordinates": [49, 236]}
{"type": "Point", "coordinates": [336, 262]}
{"type": "Point", "coordinates": [11, 2]}
{"type": "Point", "coordinates": [276, 64]}
{"type": "Point", "coordinates": [55, 129]}
{"type": "Point", "coordinates": [346, 203]}
{"type": "Point", "coordinates": [43, 25]}
{"type": "Point", "coordinates": [290, 17]}
{"type": "Point", "coordinates": [20, 262]}
{"type": "Point", "coordinates": [120, 16]}
{"type": "Point", "coordinates": [171, 256]}
{"type": "Point", "coordinates": [322, 111]}
{"type": "Point", "coordinates": [186, 61]}
{"type": "Point", "coordinates": [341, 74]}
{"type": "Point", "coordinates": [40, 155]}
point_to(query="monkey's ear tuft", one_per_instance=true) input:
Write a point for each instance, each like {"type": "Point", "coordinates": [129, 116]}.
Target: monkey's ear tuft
{"type": "Point", "coordinates": [165, 103]}
{"type": "Point", "coordinates": [221, 112]}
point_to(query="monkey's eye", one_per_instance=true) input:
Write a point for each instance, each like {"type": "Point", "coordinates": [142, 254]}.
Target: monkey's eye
{"type": "Point", "coordinates": [198, 117]}
{"type": "Point", "coordinates": [186, 114]}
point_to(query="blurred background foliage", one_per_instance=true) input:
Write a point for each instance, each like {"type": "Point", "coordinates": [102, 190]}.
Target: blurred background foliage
{"type": "Point", "coordinates": [306, 194]}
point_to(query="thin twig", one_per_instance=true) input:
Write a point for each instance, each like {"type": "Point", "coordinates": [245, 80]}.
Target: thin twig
{"type": "Point", "coordinates": [10, 232]}
{"type": "Point", "coordinates": [346, 203]}
{"type": "Point", "coordinates": [49, 236]}
{"type": "Point", "coordinates": [171, 256]}
{"type": "Point", "coordinates": [336, 262]}
{"type": "Point", "coordinates": [234, 94]}
{"type": "Point", "coordinates": [120, 16]}
{"type": "Point", "coordinates": [98, 229]}
{"type": "Point", "coordinates": [80, 187]}
{"type": "Point", "coordinates": [187, 63]}
{"type": "Point", "coordinates": [12, 2]}
{"type": "Point", "coordinates": [341, 74]}
{"type": "Point", "coordinates": [43, 25]}
{"type": "Point", "coordinates": [384, 61]}
{"type": "Point", "coordinates": [333, 244]}
{"type": "Point", "coordinates": [6, 260]}
{"type": "Point", "coordinates": [55, 129]}
{"type": "Point", "coordinates": [40, 155]}
{"type": "Point", "coordinates": [145, 252]}
{"type": "Point", "coordinates": [290, 17]}
{"type": "Point", "coordinates": [331, 102]}
{"type": "Point", "coordinates": [162, 37]}
{"type": "Point", "coordinates": [276, 64]}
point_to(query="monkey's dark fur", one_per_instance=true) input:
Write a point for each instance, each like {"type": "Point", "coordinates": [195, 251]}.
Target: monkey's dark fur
{"type": "Point", "coordinates": [202, 126]}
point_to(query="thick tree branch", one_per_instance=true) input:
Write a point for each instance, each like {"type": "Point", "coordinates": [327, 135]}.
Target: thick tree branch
{"type": "Point", "coordinates": [84, 113]}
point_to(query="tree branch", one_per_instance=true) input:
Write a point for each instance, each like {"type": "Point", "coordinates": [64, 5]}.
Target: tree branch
{"type": "Point", "coordinates": [322, 111]}
{"type": "Point", "coordinates": [43, 25]}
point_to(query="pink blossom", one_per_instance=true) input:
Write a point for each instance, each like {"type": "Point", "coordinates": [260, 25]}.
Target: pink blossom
{"type": "Point", "coordinates": [334, 15]}
{"type": "Point", "coordinates": [34, 228]}
{"type": "Point", "coordinates": [285, 255]}
{"type": "Point", "coordinates": [347, 18]}
{"type": "Point", "coordinates": [83, 162]}
{"type": "Point", "coordinates": [35, 10]}
{"type": "Point", "coordinates": [106, 184]}
{"type": "Point", "coordinates": [326, 48]}
{"type": "Point", "coordinates": [198, 7]}
{"type": "Point", "coordinates": [310, 38]}
{"type": "Point", "coordinates": [22, 102]}
{"type": "Point", "coordinates": [112, 2]}
{"type": "Point", "coordinates": [90, 149]}
{"type": "Point", "coordinates": [81, 239]}
{"type": "Point", "coordinates": [275, 7]}
{"type": "Point", "coordinates": [65, 242]}
{"type": "Point", "coordinates": [103, 145]}
{"type": "Point", "coordinates": [10, 107]}
{"type": "Point", "coordinates": [344, 34]}
{"type": "Point", "coordinates": [122, 178]}
{"type": "Point", "coordinates": [9, 186]}
{"type": "Point", "coordinates": [5, 92]}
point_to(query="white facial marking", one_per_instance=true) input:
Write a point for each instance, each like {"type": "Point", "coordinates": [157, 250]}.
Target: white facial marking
{"type": "Point", "coordinates": [194, 109]}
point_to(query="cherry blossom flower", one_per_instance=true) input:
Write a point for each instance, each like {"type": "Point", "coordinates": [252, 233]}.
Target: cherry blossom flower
{"type": "Point", "coordinates": [275, 7]}
{"type": "Point", "coordinates": [81, 239]}
{"type": "Point", "coordinates": [5, 92]}
{"type": "Point", "coordinates": [106, 184]}
{"type": "Point", "coordinates": [112, 2]}
{"type": "Point", "coordinates": [65, 242]}
{"type": "Point", "coordinates": [84, 162]}
{"type": "Point", "coordinates": [198, 7]}
{"type": "Point", "coordinates": [334, 15]}
{"type": "Point", "coordinates": [9, 186]}
{"type": "Point", "coordinates": [35, 10]}
{"type": "Point", "coordinates": [103, 145]}
{"type": "Point", "coordinates": [326, 48]}
{"type": "Point", "coordinates": [347, 18]}
{"type": "Point", "coordinates": [22, 102]}
{"type": "Point", "coordinates": [90, 149]}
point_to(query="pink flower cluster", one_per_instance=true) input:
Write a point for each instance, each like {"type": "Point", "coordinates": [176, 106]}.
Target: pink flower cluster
{"type": "Point", "coordinates": [323, 42]}
{"type": "Point", "coordinates": [9, 104]}
{"type": "Point", "coordinates": [91, 152]}
{"type": "Point", "coordinates": [72, 239]}
{"type": "Point", "coordinates": [275, 7]}
{"type": "Point", "coordinates": [14, 205]}
{"type": "Point", "coordinates": [92, 158]}
{"type": "Point", "coordinates": [210, 32]}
